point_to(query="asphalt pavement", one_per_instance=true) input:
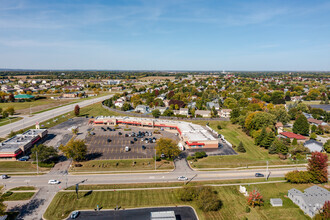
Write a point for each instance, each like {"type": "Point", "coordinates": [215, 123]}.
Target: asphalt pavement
{"type": "Point", "coordinates": [29, 121]}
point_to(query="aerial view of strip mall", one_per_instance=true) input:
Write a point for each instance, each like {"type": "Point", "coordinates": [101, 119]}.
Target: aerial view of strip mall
{"type": "Point", "coordinates": [164, 110]}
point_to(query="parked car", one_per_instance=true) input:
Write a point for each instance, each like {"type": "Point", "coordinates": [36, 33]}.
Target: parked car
{"type": "Point", "coordinates": [132, 142]}
{"type": "Point", "coordinates": [74, 214]}
{"type": "Point", "coordinates": [109, 140]}
{"type": "Point", "coordinates": [143, 147]}
{"type": "Point", "coordinates": [182, 178]}
{"type": "Point", "coordinates": [24, 158]}
{"type": "Point", "coordinates": [53, 182]}
{"type": "Point", "coordinates": [135, 139]}
{"type": "Point", "coordinates": [126, 149]}
{"type": "Point", "coordinates": [119, 133]}
{"type": "Point", "coordinates": [4, 176]}
{"type": "Point", "coordinates": [259, 175]}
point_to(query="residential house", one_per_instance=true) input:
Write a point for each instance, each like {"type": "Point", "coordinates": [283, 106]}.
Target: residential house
{"type": "Point", "coordinates": [292, 136]}
{"type": "Point", "coordinates": [191, 105]}
{"type": "Point", "coordinates": [307, 115]}
{"type": "Point", "coordinates": [210, 105]}
{"type": "Point", "coordinates": [279, 126]}
{"type": "Point", "coordinates": [203, 113]}
{"type": "Point", "coordinates": [314, 146]}
{"type": "Point", "coordinates": [72, 88]}
{"type": "Point", "coordinates": [161, 109]}
{"type": "Point", "coordinates": [115, 89]}
{"type": "Point", "coordinates": [119, 103]}
{"type": "Point", "coordinates": [311, 200]}
{"type": "Point", "coordinates": [167, 103]}
{"type": "Point", "coordinates": [224, 113]}
{"type": "Point", "coordinates": [142, 108]}
{"type": "Point", "coordinates": [316, 122]}
{"type": "Point", "coordinates": [296, 98]}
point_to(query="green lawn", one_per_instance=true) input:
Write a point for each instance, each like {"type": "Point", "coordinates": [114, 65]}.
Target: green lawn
{"type": "Point", "coordinates": [234, 203]}
{"type": "Point", "coordinates": [19, 166]}
{"type": "Point", "coordinates": [4, 121]}
{"type": "Point", "coordinates": [23, 188]}
{"type": "Point", "coordinates": [98, 110]}
{"type": "Point", "coordinates": [254, 156]}
{"type": "Point", "coordinates": [18, 196]}
{"type": "Point", "coordinates": [122, 165]}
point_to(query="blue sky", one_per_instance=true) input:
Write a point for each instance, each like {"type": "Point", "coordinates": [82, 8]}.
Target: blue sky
{"type": "Point", "coordinates": [165, 34]}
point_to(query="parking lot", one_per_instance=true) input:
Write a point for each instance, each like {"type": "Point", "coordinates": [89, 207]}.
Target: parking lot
{"type": "Point", "coordinates": [105, 144]}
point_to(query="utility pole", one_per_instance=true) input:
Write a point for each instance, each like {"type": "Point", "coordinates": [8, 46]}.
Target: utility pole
{"type": "Point", "coordinates": [155, 158]}
{"type": "Point", "coordinates": [267, 171]}
{"type": "Point", "coordinates": [37, 163]}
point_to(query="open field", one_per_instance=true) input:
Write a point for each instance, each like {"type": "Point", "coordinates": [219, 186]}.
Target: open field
{"type": "Point", "coordinates": [234, 203]}
{"type": "Point", "coordinates": [121, 165]}
{"type": "Point", "coordinates": [254, 156]}
{"type": "Point", "coordinates": [15, 196]}
{"type": "Point", "coordinates": [23, 188]}
{"type": "Point", "coordinates": [19, 166]}
{"type": "Point", "coordinates": [305, 102]}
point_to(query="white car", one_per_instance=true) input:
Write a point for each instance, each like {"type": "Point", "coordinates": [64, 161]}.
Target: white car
{"type": "Point", "coordinates": [182, 178]}
{"type": "Point", "coordinates": [53, 182]}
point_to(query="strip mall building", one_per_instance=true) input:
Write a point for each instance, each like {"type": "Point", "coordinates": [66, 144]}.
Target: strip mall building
{"type": "Point", "coordinates": [16, 146]}
{"type": "Point", "coordinates": [193, 136]}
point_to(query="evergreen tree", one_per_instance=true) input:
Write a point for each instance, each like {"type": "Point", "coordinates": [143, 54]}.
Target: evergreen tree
{"type": "Point", "coordinates": [268, 140]}
{"type": "Point", "coordinates": [261, 137]}
{"type": "Point", "coordinates": [301, 125]}
{"type": "Point", "coordinates": [273, 148]}
{"type": "Point", "coordinates": [241, 148]}
{"type": "Point", "coordinates": [294, 142]}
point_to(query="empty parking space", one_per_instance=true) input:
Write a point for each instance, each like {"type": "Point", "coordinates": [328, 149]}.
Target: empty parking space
{"type": "Point", "coordinates": [104, 143]}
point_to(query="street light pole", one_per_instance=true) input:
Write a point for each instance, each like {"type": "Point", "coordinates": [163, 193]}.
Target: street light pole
{"type": "Point", "coordinates": [267, 171]}
{"type": "Point", "coordinates": [37, 163]}
{"type": "Point", "coordinates": [155, 158]}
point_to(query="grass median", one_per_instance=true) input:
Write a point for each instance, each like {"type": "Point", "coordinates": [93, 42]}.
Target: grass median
{"type": "Point", "coordinates": [234, 203]}
{"type": "Point", "coordinates": [122, 165]}
{"type": "Point", "coordinates": [19, 166]}
{"type": "Point", "coordinates": [15, 196]}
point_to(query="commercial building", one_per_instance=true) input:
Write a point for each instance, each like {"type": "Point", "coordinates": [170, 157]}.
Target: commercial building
{"type": "Point", "coordinates": [15, 146]}
{"type": "Point", "coordinates": [192, 135]}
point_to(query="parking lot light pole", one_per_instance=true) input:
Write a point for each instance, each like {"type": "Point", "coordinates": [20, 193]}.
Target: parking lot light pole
{"type": "Point", "coordinates": [37, 163]}
{"type": "Point", "coordinates": [155, 159]}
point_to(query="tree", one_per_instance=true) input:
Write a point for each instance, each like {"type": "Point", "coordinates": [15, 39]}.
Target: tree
{"type": "Point", "coordinates": [156, 113]}
{"type": "Point", "coordinates": [261, 136]}
{"type": "Point", "coordinates": [327, 146]}
{"type": "Point", "coordinates": [168, 112]}
{"type": "Point", "coordinates": [313, 128]}
{"type": "Point", "coordinates": [294, 141]}
{"type": "Point", "coordinates": [75, 149]}
{"type": "Point", "coordinates": [2, 206]}
{"type": "Point", "coordinates": [11, 97]}
{"type": "Point", "coordinates": [10, 110]}
{"type": "Point", "coordinates": [241, 148]}
{"type": "Point", "coordinates": [76, 110]}
{"type": "Point", "coordinates": [255, 199]}
{"type": "Point", "coordinates": [168, 147]}
{"type": "Point", "coordinates": [207, 199]}
{"type": "Point", "coordinates": [44, 152]}
{"type": "Point", "coordinates": [281, 114]}
{"type": "Point", "coordinates": [126, 106]}
{"type": "Point", "coordinates": [301, 125]}
{"type": "Point", "coordinates": [5, 114]}
{"type": "Point", "coordinates": [324, 212]}
{"type": "Point", "coordinates": [214, 112]}
{"type": "Point", "coordinates": [278, 147]}
{"type": "Point", "coordinates": [298, 177]}
{"type": "Point", "coordinates": [258, 120]}
{"type": "Point", "coordinates": [317, 166]}
{"type": "Point", "coordinates": [268, 140]}
{"type": "Point", "coordinates": [313, 136]}
{"type": "Point", "coordinates": [75, 130]}
{"type": "Point", "coordinates": [230, 103]}
{"type": "Point", "coordinates": [0, 110]}
{"type": "Point", "coordinates": [187, 193]}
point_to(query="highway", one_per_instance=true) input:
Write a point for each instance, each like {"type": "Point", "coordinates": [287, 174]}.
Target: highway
{"type": "Point", "coordinates": [29, 121]}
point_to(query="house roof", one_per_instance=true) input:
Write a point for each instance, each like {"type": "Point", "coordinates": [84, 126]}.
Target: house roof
{"type": "Point", "coordinates": [314, 146]}
{"type": "Point", "coordinates": [315, 121]}
{"type": "Point", "coordinates": [279, 124]}
{"type": "Point", "coordinates": [292, 135]}
{"type": "Point", "coordinates": [23, 96]}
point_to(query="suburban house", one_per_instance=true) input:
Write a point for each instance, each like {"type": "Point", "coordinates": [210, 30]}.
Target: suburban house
{"type": "Point", "coordinates": [311, 201]}
{"type": "Point", "coordinates": [225, 113]}
{"type": "Point", "coordinates": [279, 127]}
{"type": "Point", "coordinates": [316, 122]}
{"type": "Point", "coordinates": [307, 115]}
{"type": "Point", "coordinates": [203, 113]}
{"type": "Point", "coordinates": [296, 98]}
{"type": "Point", "coordinates": [114, 89]}
{"type": "Point", "coordinates": [292, 136]}
{"type": "Point", "coordinates": [314, 146]}
{"type": "Point", "coordinates": [183, 111]}
{"type": "Point", "coordinates": [142, 108]}
{"type": "Point", "coordinates": [119, 103]}
{"type": "Point", "coordinates": [210, 105]}
{"type": "Point", "coordinates": [161, 109]}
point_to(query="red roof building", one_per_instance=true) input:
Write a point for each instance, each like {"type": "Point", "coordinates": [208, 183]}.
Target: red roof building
{"type": "Point", "coordinates": [292, 135]}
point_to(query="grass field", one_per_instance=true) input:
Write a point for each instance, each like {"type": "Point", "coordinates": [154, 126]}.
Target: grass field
{"type": "Point", "coordinates": [19, 166]}
{"type": "Point", "coordinates": [170, 184]}
{"type": "Point", "coordinates": [171, 78]}
{"type": "Point", "coordinates": [305, 102]}
{"type": "Point", "coordinates": [122, 165]}
{"type": "Point", "coordinates": [4, 121]}
{"type": "Point", "coordinates": [18, 196]}
{"type": "Point", "coordinates": [23, 188]}
{"type": "Point", "coordinates": [97, 110]}
{"type": "Point", "coordinates": [254, 156]}
{"type": "Point", "coordinates": [234, 203]}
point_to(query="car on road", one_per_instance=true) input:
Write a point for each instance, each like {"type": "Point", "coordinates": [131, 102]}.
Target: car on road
{"type": "Point", "coordinates": [126, 149]}
{"type": "Point", "coordinates": [135, 139]}
{"type": "Point", "coordinates": [4, 176]}
{"type": "Point", "coordinates": [74, 214]}
{"type": "Point", "coordinates": [182, 178]}
{"type": "Point", "coordinates": [259, 175]}
{"type": "Point", "coordinates": [24, 158]}
{"type": "Point", "coordinates": [53, 182]}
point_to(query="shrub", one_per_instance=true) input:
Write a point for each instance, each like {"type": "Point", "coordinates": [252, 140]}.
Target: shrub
{"type": "Point", "coordinates": [207, 199]}
{"type": "Point", "coordinates": [187, 193]}
{"type": "Point", "coordinates": [190, 157]}
{"type": "Point", "coordinates": [255, 199]}
{"type": "Point", "coordinates": [219, 127]}
{"type": "Point", "coordinates": [247, 209]}
{"type": "Point", "coordinates": [298, 177]}
{"type": "Point", "coordinates": [200, 154]}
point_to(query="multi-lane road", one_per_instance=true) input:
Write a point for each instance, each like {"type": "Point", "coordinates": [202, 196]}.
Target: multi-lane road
{"type": "Point", "coordinates": [29, 121]}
